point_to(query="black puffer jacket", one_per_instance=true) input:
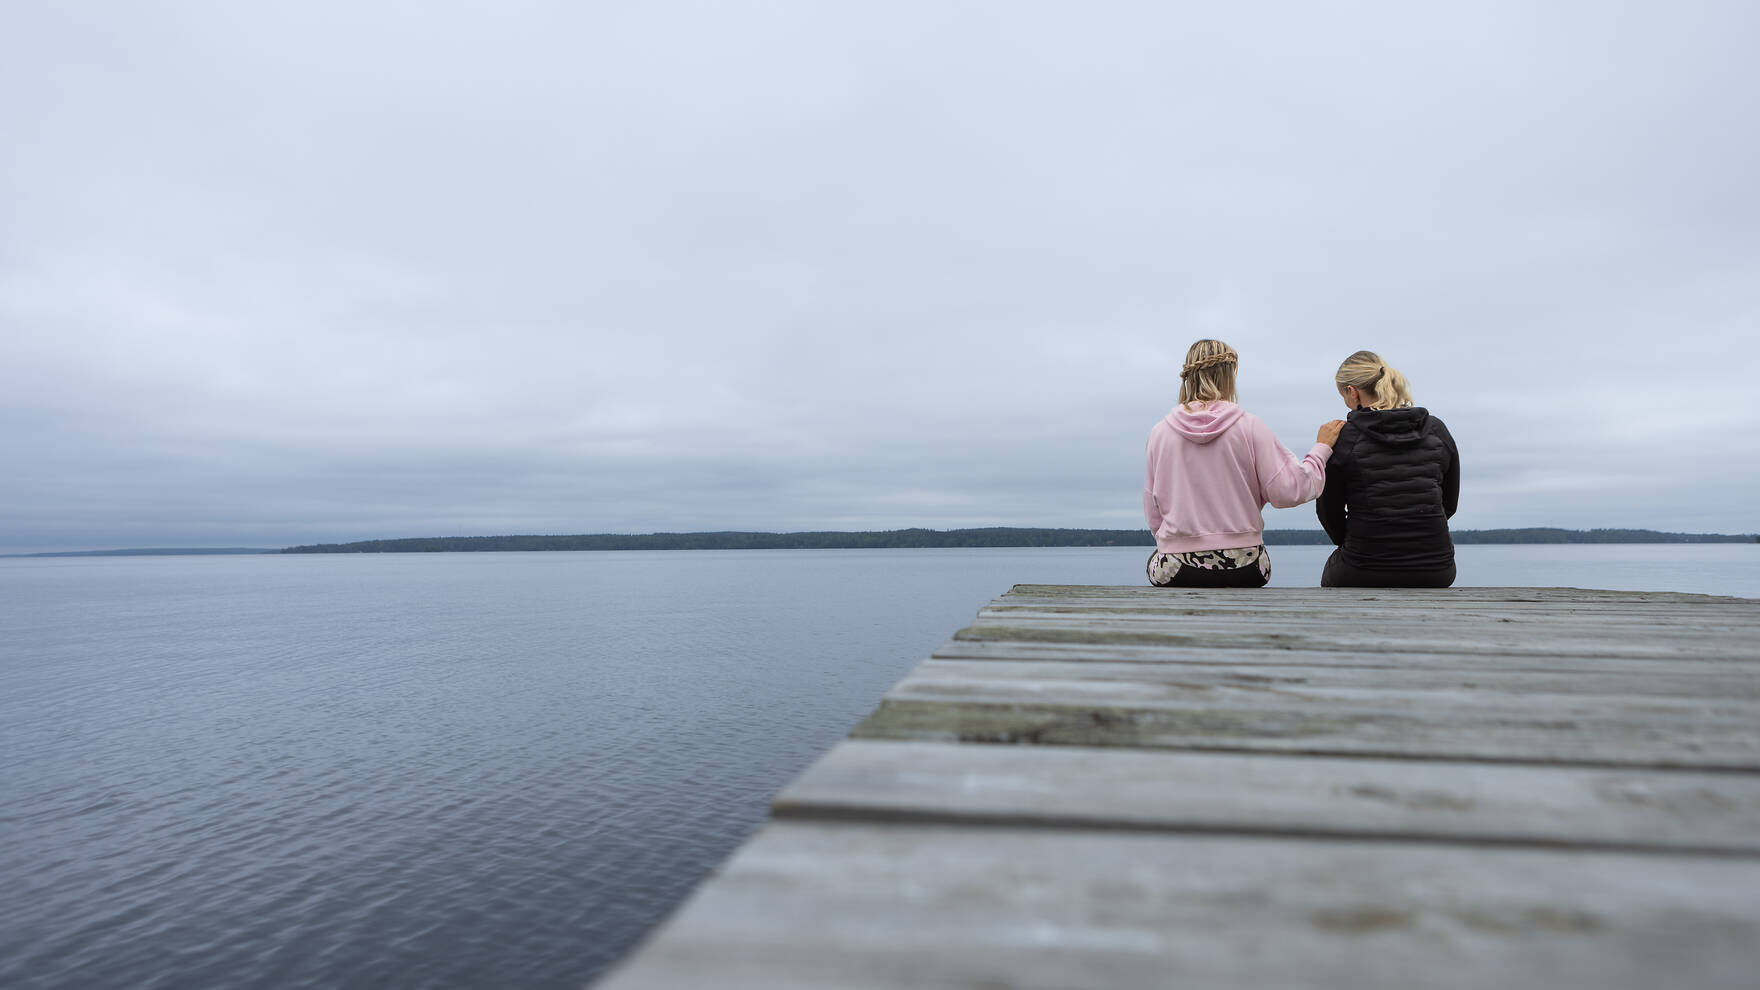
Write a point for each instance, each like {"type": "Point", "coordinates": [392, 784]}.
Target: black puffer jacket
{"type": "Point", "coordinates": [1392, 483]}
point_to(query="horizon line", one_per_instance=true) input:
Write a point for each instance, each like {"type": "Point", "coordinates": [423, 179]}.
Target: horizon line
{"type": "Point", "coordinates": [1137, 532]}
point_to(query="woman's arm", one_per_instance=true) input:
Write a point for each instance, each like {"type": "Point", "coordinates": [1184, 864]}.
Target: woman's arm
{"type": "Point", "coordinates": [1331, 507]}
{"type": "Point", "coordinates": [1284, 479]}
{"type": "Point", "coordinates": [1451, 475]}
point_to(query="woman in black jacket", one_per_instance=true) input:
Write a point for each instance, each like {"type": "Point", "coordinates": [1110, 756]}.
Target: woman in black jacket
{"type": "Point", "coordinates": [1392, 483]}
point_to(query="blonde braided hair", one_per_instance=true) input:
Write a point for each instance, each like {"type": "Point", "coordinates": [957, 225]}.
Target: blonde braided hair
{"type": "Point", "coordinates": [1208, 374]}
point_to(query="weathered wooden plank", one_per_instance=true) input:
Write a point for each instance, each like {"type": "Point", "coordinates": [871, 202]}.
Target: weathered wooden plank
{"type": "Point", "coordinates": [1667, 616]}
{"type": "Point", "coordinates": [1325, 693]}
{"type": "Point", "coordinates": [1442, 597]}
{"type": "Point", "coordinates": [849, 905]}
{"type": "Point", "coordinates": [1733, 692]}
{"type": "Point", "coordinates": [1592, 732]}
{"type": "Point", "coordinates": [1427, 637]}
{"type": "Point", "coordinates": [1168, 603]}
{"type": "Point", "coordinates": [1361, 598]}
{"type": "Point", "coordinates": [1218, 679]}
{"type": "Point", "coordinates": [1390, 595]}
{"type": "Point", "coordinates": [1658, 618]}
{"type": "Point", "coordinates": [1695, 622]}
{"type": "Point", "coordinates": [1558, 636]}
{"type": "Point", "coordinates": [1236, 793]}
{"type": "Point", "coordinates": [1384, 599]}
{"type": "Point", "coordinates": [1392, 659]}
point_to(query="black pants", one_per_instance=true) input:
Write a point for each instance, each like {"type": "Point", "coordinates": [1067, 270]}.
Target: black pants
{"type": "Point", "coordinates": [1232, 577]}
{"type": "Point", "coordinates": [1339, 574]}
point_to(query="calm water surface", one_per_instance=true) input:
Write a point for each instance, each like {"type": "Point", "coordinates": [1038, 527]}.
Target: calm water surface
{"type": "Point", "coordinates": [460, 770]}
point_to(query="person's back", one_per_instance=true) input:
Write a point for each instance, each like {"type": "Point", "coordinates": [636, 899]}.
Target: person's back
{"type": "Point", "coordinates": [1392, 483]}
{"type": "Point", "coordinates": [1211, 469]}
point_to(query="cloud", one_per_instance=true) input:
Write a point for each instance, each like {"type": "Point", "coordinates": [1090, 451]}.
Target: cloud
{"type": "Point", "coordinates": [329, 272]}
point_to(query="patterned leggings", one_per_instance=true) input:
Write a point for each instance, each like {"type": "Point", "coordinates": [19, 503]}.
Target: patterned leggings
{"type": "Point", "coordinates": [1236, 567]}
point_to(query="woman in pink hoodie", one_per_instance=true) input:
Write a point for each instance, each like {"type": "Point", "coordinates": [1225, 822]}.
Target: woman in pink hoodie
{"type": "Point", "coordinates": [1213, 467]}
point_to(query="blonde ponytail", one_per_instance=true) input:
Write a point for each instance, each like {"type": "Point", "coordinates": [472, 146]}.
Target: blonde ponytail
{"type": "Point", "coordinates": [1367, 373]}
{"type": "Point", "coordinates": [1209, 372]}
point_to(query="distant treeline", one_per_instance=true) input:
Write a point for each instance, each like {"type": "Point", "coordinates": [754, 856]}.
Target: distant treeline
{"type": "Point", "coordinates": [148, 552]}
{"type": "Point", "coordinates": [995, 536]}
{"type": "Point", "coordinates": [1545, 535]}
{"type": "Point", "coordinates": [991, 537]}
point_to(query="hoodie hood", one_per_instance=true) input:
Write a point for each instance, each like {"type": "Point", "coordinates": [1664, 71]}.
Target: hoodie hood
{"type": "Point", "coordinates": [1205, 424]}
{"type": "Point", "coordinates": [1394, 427]}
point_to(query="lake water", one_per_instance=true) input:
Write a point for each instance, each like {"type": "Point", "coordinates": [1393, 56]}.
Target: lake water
{"type": "Point", "coordinates": [465, 770]}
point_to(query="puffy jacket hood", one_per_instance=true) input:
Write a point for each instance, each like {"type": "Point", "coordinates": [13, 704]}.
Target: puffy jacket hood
{"type": "Point", "coordinates": [1394, 427]}
{"type": "Point", "coordinates": [1202, 425]}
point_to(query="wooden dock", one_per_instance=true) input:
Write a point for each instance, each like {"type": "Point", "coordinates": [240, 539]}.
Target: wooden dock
{"type": "Point", "coordinates": [1140, 787]}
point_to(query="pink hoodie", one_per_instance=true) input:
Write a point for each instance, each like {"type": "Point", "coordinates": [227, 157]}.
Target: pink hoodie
{"type": "Point", "coordinates": [1211, 472]}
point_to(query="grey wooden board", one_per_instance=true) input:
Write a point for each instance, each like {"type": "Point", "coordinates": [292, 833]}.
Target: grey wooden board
{"type": "Point", "coordinates": [1327, 599]}
{"type": "Point", "coordinates": [1735, 693]}
{"type": "Point", "coordinates": [1145, 790]}
{"type": "Point", "coordinates": [1457, 598]}
{"type": "Point", "coordinates": [1581, 731]}
{"type": "Point", "coordinates": [958, 649]}
{"type": "Point", "coordinates": [1163, 602]}
{"type": "Point", "coordinates": [1731, 608]}
{"type": "Point", "coordinates": [1671, 618]}
{"type": "Point", "coordinates": [889, 906]}
{"type": "Point", "coordinates": [1436, 600]}
{"type": "Point", "coordinates": [1739, 610]}
{"type": "Point", "coordinates": [1432, 596]}
{"type": "Point", "coordinates": [1435, 636]}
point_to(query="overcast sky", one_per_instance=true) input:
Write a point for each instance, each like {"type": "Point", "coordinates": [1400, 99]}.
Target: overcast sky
{"type": "Point", "coordinates": [288, 273]}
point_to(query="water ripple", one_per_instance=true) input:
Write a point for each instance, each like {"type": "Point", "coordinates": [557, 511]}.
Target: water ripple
{"type": "Point", "coordinates": [437, 770]}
